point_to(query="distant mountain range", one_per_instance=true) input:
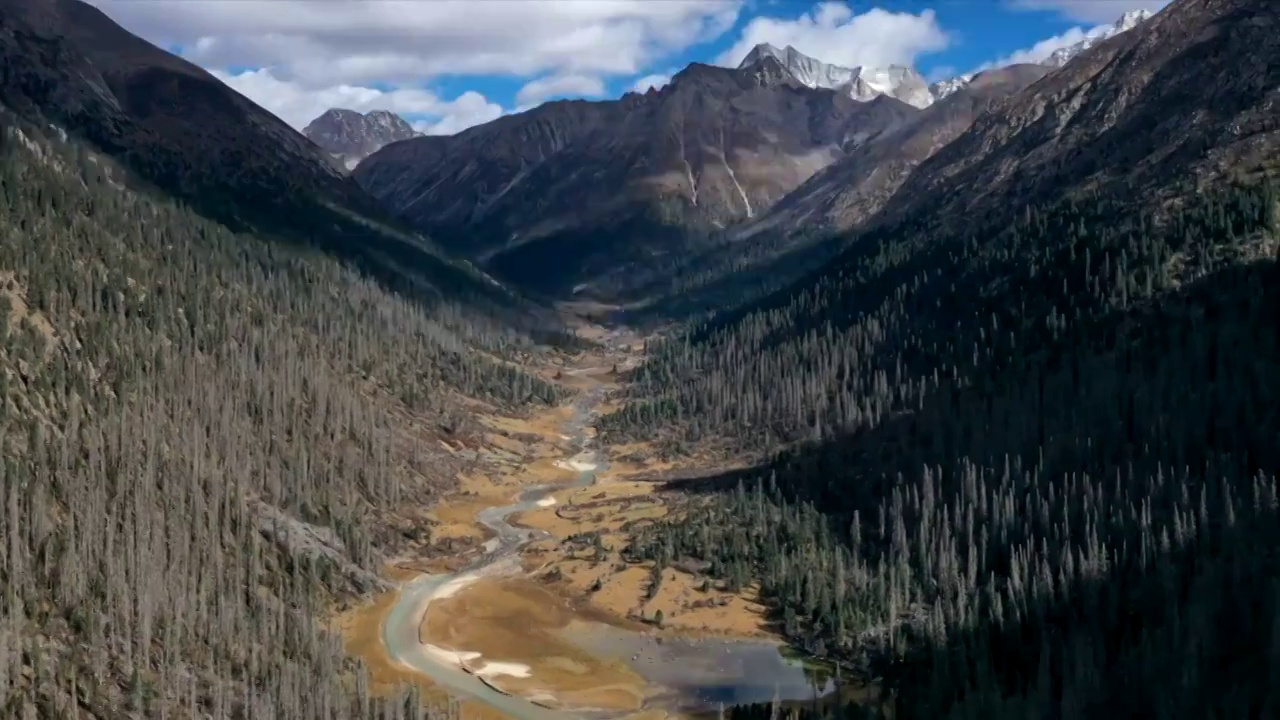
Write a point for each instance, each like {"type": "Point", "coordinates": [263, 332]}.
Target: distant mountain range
{"type": "Point", "coordinates": [574, 193]}
{"type": "Point", "coordinates": [351, 137]}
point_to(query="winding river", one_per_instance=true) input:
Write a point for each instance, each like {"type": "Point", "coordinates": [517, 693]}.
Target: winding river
{"type": "Point", "coordinates": [696, 674]}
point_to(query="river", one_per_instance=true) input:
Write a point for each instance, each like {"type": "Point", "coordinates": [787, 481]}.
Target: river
{"type": "Point", "coordinates": [687, 674]}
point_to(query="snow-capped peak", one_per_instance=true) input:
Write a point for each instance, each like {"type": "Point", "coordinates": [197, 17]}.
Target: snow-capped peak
{"type": "Point", "coordinates": [1128, 21]}
{"type": "Point", "coordinates": [860, 83]}
{"type": "Point", "coordinates": [944, 88]}
{"type": "Point", "coordinates": [1061, 56]}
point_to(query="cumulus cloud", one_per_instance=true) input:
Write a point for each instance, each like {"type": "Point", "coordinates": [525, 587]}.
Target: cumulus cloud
{"type": "Point", "coordinates": [834, 34]}
{"type": "Point", "coordinates": [1090, 11]}
{"type": "Point", "coordinates": [299, 105]}
{"type": "Point", "coordinates": [657, 81]}
{"type": "Point", "coordinates": [327, 43]}
{"type": "Point", "coordinates": [557, 86]}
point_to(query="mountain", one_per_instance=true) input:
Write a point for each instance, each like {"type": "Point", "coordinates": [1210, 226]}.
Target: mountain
{"type": "Point", "coordinates": [860, 83]}
{"type": "Point", "coordinates": [1148, 116]}
{"type": "Point", "coordinates": [217, 425]}
{"type": "Point", "coordinates": [802, 230]}
{"type": "Point", "coordinates": [1026, 416]}
{"type": "Point", "coordinates": [182, 131]}
{"type": "Point", "coordinates": [574, 191]}
{"type": "Point", "coordinates": [943, 88]}
{"type": "Point", "coordinates": [854, 187]}
{"type": "Point", "coordinates": [795, 235]}
{"type": "Point", "coordinates": [351, 137]}
{"type": "Point", "coordinates": [1143, 122]}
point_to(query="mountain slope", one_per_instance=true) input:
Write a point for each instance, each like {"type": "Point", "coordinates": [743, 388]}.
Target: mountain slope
{"type": "Point", "coordinates": [1029, 410]}
{"type": "Point", "coordinates": [1147, 113]}
{"type": "Point", "coordinates": [186, 133]}
{"type": "Point", "coordinates": [1143, 123]}
{"type": "Point", "coordinates": [351, 137]}
{"type": "Point", "coordinates": [574, 191]}
{"type": "Point", "coordinates": [1151, 113]}
{"type": "Point", "coordinates": [800, 231]}
{"type": "Point", "coordinates": [212, 432]}
{"type": "Point", "coordinates": [853, 188]}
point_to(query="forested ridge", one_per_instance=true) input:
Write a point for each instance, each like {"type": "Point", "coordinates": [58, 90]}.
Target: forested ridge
{"type": "Point", "coordinates": [198, 430]}
{"type": "Point", "coordinates": [1026, 431]}
{"type": "Point", "coordinates": [1035, 469]}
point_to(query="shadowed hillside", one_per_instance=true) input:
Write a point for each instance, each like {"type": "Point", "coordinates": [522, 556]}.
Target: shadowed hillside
{"type": "Point", "coordinates": [1027, 413]}
{"type": "Point", "coordinates": [180, 130]}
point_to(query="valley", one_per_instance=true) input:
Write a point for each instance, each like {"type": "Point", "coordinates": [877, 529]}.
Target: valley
{"type": "Point", "coordinates": [532, 610]}
{"type": "Point", "coordinates": [788, 388]}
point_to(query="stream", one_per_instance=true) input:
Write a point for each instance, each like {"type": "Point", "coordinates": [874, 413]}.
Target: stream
{"type": "Point", "coordinates": [689, 674]}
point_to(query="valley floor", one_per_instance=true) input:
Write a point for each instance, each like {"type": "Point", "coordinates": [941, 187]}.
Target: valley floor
{"type": "Point", "coordinates": [572, 581]}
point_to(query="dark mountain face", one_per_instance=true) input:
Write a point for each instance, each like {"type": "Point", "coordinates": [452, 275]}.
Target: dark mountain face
{"type": "Point", "coordinates": [351, 137]}
{"type": "Point", "coordinates": [802, 230]}
{"type": "Point", "coordinates": [1079, 291]}
{"type": "Point", "coordinates": [180, 129]}
{"type": "Point", "coordinates": [575, 191]}
{"type": "Point", "coordinates": [70, 61]}
{"type": "Point", "coordinates": [1152, 114]}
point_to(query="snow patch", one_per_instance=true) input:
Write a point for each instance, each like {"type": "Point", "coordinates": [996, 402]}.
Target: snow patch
{"type": "Point", "coordinates": [452, 657]}
{"type": "Point", "coordinates": [575, 465]}
{"type": "Point", "coordinates": [494, 669]}
{"type": "Point", "coordinates": [546, 502]}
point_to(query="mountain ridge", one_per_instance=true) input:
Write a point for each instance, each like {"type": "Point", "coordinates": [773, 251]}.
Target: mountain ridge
{"type": "Point", "coordinates": [860, 83]}
{"type": "Point", "coordinates": [575, 190]}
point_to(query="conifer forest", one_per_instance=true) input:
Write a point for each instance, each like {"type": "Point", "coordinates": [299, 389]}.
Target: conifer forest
{"type": "Point", "coordinates": [958, 400]}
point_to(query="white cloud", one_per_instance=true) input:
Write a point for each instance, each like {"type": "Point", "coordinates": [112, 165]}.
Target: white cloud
{"type": "Point", "coordinates": [657, 81]}
{"type": "Point", "coordinates": [554, 86]}
{"type": "Point", "coordinates": [299, 105]}
{"type": "Point", "coordinates": [1090, 11]}
{"type": "Point", "coordinates": [834, 34]}
{"type": "Point", "coordinates": [1041, 50]}
{"type": "Point", "coordinates": [467, 110]}
{"type": "Point", "coordinates": [326, 43]}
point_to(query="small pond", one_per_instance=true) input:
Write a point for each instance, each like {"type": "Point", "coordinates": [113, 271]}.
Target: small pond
{"type": "Point", "coordinates": [704, 673]}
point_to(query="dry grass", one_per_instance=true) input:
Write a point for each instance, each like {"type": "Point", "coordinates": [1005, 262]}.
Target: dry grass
{"type": "Point", "coordinates": [546, 424]}
{"type": "Point", "coordinates": [619, 590]}
{"type": "Point", "coordinates": [361, 631]}
{"type": "Point", "coordinates": [518, 621]}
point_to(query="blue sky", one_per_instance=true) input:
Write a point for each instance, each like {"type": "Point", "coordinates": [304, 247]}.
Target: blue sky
{"type": "Point", "coordinates": [449, 64]}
